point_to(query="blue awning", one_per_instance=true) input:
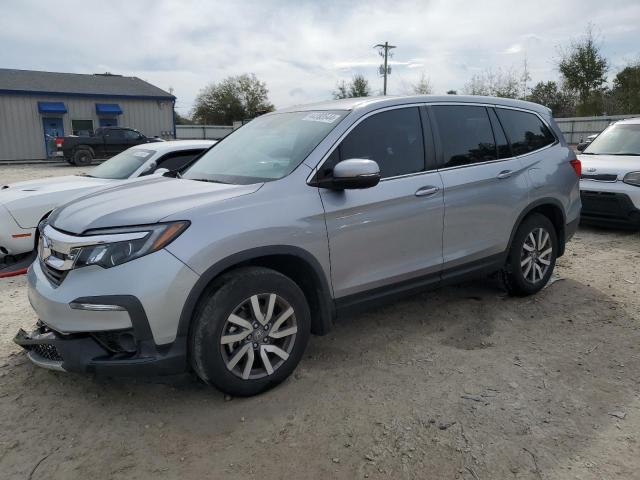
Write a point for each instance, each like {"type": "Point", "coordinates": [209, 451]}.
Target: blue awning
{"type": "Point", "coordinates": [51, 107]}
{"type": "Point", "coordinates": [108, 109]}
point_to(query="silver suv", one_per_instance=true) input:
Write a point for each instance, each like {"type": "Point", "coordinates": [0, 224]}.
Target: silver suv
{"type": "Point", "coordinates": [295, 218]}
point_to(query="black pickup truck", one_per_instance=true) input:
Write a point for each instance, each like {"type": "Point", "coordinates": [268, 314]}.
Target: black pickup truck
{"type": "Point", "coordinates": [104, 143]}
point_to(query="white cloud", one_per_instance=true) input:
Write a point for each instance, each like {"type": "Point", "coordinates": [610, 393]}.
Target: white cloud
{"type": "Point", "coordinates": [516, 48]}
{"type": "Point", "coordinates": [302, 48]}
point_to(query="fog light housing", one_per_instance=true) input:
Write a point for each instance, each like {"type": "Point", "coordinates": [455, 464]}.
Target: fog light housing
{"type": "Point", "coordinates": [96, 307]}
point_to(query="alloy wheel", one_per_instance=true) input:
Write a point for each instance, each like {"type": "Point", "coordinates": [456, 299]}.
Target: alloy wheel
{"type": "Point", "coordinates": [536, 255]}
{"type": "Point", "coordinates": [258, 336]}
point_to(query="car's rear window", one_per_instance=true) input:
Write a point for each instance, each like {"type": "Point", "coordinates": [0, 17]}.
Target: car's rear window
{"type": "Point", "coordinates": [526, 131]}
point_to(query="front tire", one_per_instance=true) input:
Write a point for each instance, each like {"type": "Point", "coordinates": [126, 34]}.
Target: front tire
{"type": "Point", "coordinates": [250, 332]}
{"type": "Point", "coordinates": [532, 256]}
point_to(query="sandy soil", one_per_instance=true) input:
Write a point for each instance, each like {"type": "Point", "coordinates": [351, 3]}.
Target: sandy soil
{"type": "Point", "coordinates": [463, 382]}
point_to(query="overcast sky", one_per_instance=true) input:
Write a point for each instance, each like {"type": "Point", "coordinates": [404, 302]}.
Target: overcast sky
{"type": "Point", "coordinates": [302, 48]}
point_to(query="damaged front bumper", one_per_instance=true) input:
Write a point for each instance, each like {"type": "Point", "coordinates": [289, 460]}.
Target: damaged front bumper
{"type": "Point", "coordinates": [106, 353]}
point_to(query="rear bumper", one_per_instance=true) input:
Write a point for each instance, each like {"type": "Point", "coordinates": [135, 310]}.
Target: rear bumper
{"type": "Point", "coordinates": [609, 208]}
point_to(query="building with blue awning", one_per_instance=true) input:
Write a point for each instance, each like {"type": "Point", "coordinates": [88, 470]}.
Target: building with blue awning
{"type": "Point", "coordinates": [36, 107]}
{"type": "Point", "coordinates": [52, 107]}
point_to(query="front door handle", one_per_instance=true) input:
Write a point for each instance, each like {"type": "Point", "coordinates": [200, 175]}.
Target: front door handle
{"type": "Point", "coordinates": [505, 174]}
{"type": "Point", "coordinates": [427, 191]}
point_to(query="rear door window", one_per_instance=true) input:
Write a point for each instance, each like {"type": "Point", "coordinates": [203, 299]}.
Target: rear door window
{"type": "Point", "coordinates": [525, 131]}
{"type": "Point", "coordinates": [465, 133]}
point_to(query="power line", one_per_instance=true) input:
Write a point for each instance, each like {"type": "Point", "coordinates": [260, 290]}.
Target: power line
{"type": "Point", "coordinates": [385, 69]}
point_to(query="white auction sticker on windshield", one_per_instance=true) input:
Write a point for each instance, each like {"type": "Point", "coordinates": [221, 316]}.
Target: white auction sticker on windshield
{"type": "Point", "coordinates": [323, 117]}
{"type": "Point", "coordinates": [141, 154]}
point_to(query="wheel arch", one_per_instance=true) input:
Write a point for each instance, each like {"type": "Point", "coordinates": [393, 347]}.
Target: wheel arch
{"type": "Point", "coordinates": [554, 211]}
{"type": "Point", "coordinates": [294, 262]}
{"type": "Point", "coordinates": [84, 146]}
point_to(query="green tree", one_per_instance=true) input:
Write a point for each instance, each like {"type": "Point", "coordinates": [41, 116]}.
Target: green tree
{"type": "Point", "coordinates": [233, 99]}
{"type": "Point", "coordinates": [358, 87]}
{"type": "Point", "coordinates": [549, 94]}
{"type": "Point", "coordinates": [626, 89]}
{"type": "Point", "coordinates": [180, 120]}
{"type": "Point", "coordinates": [584, 71]}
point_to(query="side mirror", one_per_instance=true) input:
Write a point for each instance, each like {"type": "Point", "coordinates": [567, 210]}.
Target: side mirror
{"type": "Point", "coordinates": [161, 171]}
{"type": "Point", "coordinates": [355, 173]}
{"type": "Point", "coordinates": [581, 146]}
{"type": "Point", "coordinates": [149, 169]}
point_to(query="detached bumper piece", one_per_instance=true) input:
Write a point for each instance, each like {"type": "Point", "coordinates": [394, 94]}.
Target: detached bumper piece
{"type": "Point", "coordinates": [102, 353]}
{"type": "Point", "coordinates": [608, 208]}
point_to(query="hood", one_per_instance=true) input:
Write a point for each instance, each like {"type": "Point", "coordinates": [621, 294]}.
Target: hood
{"type": "Point", "coordinates": [141, 202]}
{"type": "Point", "coordinates": [29, 201]}
{"type": "Point", "coordinates": [619, 165]}
{"type": "Point", "coordinates": [52, 184]}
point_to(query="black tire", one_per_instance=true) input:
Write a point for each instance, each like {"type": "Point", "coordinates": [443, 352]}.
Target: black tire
{"type": "Point", "coordinates": [517, 279]}
{"type": "Point", "coordinates": [227, 294]}
{"type": "Point", "coordinates": [82, 157]}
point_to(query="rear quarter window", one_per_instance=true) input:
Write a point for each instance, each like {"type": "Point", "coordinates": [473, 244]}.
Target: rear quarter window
{"type": "Point", "coordinates": [525, 131]}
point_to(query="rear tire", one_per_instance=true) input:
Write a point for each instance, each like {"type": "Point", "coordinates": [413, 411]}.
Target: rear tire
{"type": "Point", "coordinates": [532, 256]}
{"type": "Point", "coordinates": [82, 157]}
{"type": "Point", "coordinates": [250, 332]}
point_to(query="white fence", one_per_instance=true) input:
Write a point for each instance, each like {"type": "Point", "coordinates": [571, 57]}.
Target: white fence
{"type": "Point", "coordinates": [576, 129]}
{"type": "Point", "coordinates": [202, 132]}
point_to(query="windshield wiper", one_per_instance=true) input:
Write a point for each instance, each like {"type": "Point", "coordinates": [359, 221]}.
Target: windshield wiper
{"type": "Point", "coordinates": [84, 175]}
{"type": "Point", "coordinates": [209, 181]}
{"type": "Point", "coordinates": [626, 153]}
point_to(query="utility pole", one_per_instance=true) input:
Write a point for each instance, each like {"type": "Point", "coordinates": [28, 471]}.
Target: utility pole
{"type": "Point", "coordinates": [385, 69]}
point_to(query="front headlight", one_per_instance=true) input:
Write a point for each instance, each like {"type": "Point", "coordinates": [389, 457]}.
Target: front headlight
{"type": "Point", "coordinates": [632, 178]}
{"type": "Point", "coordinates": [151, 239]}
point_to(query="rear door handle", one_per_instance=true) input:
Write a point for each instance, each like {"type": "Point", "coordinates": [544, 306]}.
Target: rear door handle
{"type": "Point", "coordinates": [505, 174]}
{"type": "Point", "coordinates": [427, 191]}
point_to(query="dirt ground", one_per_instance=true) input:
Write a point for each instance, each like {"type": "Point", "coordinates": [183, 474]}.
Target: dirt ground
{"type": "Point", "coordinates": [463, 382]}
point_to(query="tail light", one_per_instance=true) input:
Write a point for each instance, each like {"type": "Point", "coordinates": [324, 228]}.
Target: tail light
{"type": "Point", "coordinates": [59, 142]}
{"type": "Point", "coordinates": [577, 166]}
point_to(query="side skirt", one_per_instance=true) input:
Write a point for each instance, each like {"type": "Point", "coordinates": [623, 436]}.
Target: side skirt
{"type": "Point", "coordinates": [389, 293]}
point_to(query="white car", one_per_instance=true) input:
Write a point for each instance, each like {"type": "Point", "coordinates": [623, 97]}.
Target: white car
{"type": "Point", "coordinates": [24, 204]}
{"type": "Point", "coordinates": [610, 181]}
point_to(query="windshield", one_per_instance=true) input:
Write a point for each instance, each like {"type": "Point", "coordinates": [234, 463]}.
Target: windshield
{"type": "Point", "coordinates": [122, 165]}
{"type": "Point", "coordinates": [267, 148]}
{"type": "Point", "coordinates": [618, 139]}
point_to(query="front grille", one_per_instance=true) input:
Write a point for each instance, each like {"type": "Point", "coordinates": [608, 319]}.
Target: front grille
{"type": "Point", "coordinates": [54, 276]}
{"type": "Point", "coordinates": [600, 177]}
{"type": "Point", "coordinates": [46, 351]}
